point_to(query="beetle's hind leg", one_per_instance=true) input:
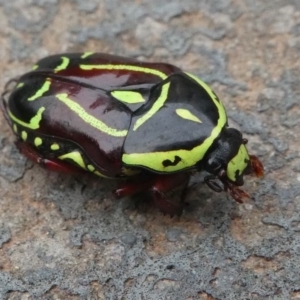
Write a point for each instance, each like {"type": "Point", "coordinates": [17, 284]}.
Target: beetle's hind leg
{"type": "Point", "coordinates": [51, 164]}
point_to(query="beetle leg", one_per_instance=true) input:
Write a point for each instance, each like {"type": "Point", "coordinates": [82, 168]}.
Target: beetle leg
{"type": "Point", "coordinates": [50, 164]}
{"type": "Point", "coordinates": [159, 187]}
{"type": "Point", "coordinates": [131, 188]}
{"type": "Point", "coordinates": [166, 184]}
{"type": "Point", "coordinates": [211, 182]}
{"type": "Point", "coordinates": [236, 193]}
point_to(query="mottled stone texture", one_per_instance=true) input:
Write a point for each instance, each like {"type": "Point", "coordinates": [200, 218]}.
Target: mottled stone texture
{"type": "Point", "coordinates": [67, 238]}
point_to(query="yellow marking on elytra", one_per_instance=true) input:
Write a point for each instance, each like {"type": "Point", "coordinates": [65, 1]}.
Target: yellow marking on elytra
{"type": "Point", "coordinates": [19, 85]}
{"type": "Point", "coordinates": [208, 89]}
{"type": "Point", "coordinates": [189, 158]}
{"type": "Point", "coordinates": [186, 114]}
{"type": "Point", "coordinates": [34, 67]}
{"type": "Point", "coordinates": [91, 168]}
{"type": "Point", "coordinates": [86, 54]}
{"type": "Point", "coordinates": [38, 141]}
{"type": "Point", "coordinates": [15, 128]}
{"type": "Point", "coordinates": [34, 122]}
{"type": "Point", "coordinates": [91, 120]}
{"type": "Point", "coordinates": [124, 67]}
{"type": "Point", "coordinates": [238, 163]}
{"type": "Point", "coordinates": [157, 105]}
{"type": "Point", "coordinates": [55, 147]}
{"type": "Point", "coordinates": [128, 96]}
{"type": "Point", "coordinates": [24, 135]}
{"type": "Point", "coordinates": [63, 65]}
{"type": "Point", "coordinates": [74, 156]}
{"type": "Point", "coordinates": [45, 88]}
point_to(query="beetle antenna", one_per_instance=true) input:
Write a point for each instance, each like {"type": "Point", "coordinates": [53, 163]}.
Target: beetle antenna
{"type": "Point", "coordinates": [257, 166]}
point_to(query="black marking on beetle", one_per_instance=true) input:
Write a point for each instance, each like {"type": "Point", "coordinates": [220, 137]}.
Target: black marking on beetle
{"type": "Point", "coordinates": [168, 162]}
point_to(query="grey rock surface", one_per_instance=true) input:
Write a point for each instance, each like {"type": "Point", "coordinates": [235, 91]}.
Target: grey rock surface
{"type": "Point", "coordinates": [64, 237]}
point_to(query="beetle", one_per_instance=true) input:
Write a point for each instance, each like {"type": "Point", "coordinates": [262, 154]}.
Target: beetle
{"type": "Point", "coordinates": [118, 117]}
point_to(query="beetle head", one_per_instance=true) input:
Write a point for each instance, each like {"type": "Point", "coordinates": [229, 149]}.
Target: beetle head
{"type": "Point", "coordinates": [228, 162]}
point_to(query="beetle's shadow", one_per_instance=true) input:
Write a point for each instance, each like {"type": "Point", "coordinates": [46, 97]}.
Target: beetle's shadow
{"type": "Point", "coordinates": [88, 199]}
{"type": "Point", "coordinates": [73, 194]}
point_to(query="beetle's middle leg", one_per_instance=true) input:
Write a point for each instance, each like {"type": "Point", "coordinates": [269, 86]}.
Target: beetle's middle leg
{"type": "Point", "coordinates": [159, 186]}
{"type": "Point", "coordinates": [166, 184]}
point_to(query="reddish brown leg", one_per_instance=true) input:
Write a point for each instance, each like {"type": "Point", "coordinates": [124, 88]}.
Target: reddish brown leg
{"type": "Point", "coordinates": [166, 184]}
{"type": "Point", "coordinates": [159, 187]}
{"type": "Point", "coordinates": [50, 164]}
{"type": "Point", "coordinates": [237, 194]}
{"type": "Point", "coordinates": [130, 188]}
